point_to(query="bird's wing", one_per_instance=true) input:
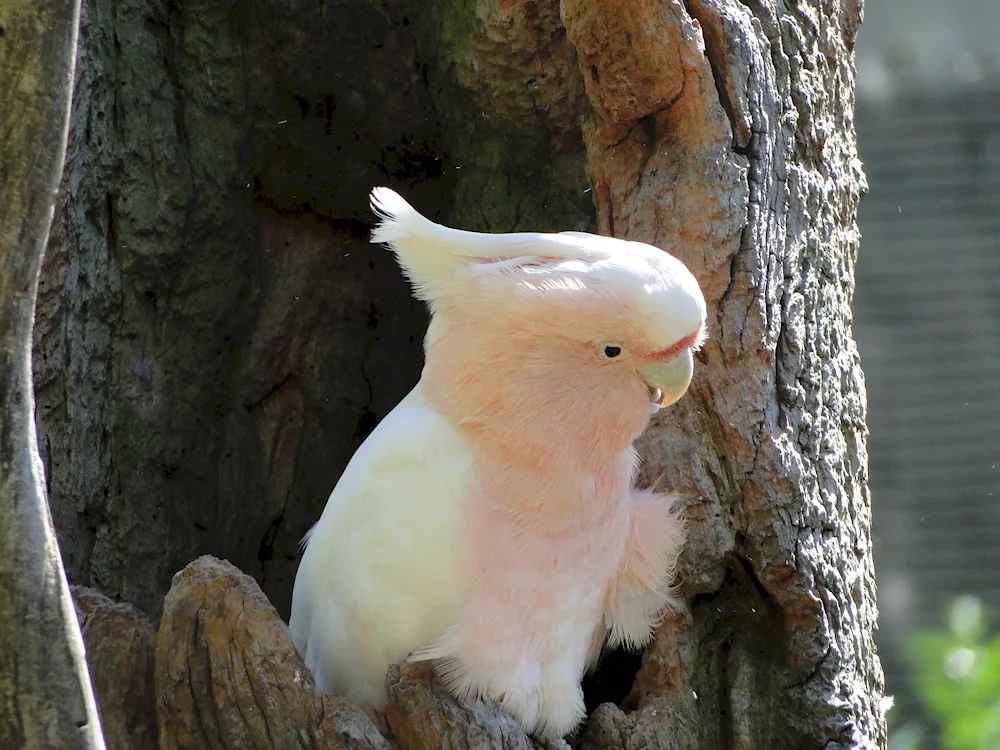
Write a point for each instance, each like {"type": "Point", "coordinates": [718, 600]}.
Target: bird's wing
{"type": "Point", "coordinates": [381, 572]}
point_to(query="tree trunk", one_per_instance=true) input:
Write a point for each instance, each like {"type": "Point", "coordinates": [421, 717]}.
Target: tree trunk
{"type": "Point", "coordinates": [216, 337]}
{"type": "Point", "coordinates": [46, 698]}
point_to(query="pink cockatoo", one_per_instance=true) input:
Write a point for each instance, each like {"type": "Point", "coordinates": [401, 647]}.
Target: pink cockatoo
{"type": "Point", "coordinates": [489, 523]}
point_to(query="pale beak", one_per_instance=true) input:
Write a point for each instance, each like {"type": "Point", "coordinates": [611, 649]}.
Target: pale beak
{"type": "Point", "coordinates": [671, 378]}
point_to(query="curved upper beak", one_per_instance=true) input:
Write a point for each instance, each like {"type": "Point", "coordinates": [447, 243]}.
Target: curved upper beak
{"type": "Point", "coordinates": [670, 378]}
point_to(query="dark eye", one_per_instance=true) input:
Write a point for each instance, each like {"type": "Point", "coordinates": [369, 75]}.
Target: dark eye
{"type": "Point", "coordinates": [611, 351]}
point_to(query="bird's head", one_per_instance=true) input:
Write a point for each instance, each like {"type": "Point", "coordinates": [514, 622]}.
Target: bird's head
{"type": "Point", "coordinates": [546, 336]}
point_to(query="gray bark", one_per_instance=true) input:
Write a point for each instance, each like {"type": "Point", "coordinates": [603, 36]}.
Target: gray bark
{"type": "Point", "coordinates": [46, 700]}
{"type": "Point", "coordinates": [216, 337]}
{"type": "Point", "coordinates": [737, 150]}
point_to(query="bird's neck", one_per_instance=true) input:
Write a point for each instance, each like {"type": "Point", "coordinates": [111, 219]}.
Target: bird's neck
{"type": "Point", "coordinates": [554, 499]}
{"type": "Point", "coordinates": [546, 469]}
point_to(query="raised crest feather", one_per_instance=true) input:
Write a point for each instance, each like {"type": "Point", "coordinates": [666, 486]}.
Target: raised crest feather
{"type": "Point", "coordinates": [431, 254]}
{"type": "Point", "coordinates": [404, 228]}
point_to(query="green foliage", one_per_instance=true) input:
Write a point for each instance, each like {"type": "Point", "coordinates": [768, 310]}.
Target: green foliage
{"type": "Point", "coordinates": [957, 678]}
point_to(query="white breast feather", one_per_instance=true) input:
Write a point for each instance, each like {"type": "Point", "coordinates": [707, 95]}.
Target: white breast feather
{"type": "Point", "coordinates": [360, 602]}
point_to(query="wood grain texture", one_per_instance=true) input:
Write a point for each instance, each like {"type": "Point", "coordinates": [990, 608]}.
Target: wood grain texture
{"type": "Point", "coordinates": [45, 694]}
{"type": "Point", "coordinates": [121, 648]}
{"type": "Point", "coordinates": [228, 676]}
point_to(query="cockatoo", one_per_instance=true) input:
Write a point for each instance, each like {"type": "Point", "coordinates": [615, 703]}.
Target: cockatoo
{"type": "Point", "coordinates": [489, 523]}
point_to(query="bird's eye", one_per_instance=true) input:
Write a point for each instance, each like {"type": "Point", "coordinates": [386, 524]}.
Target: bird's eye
{"type": "Point", "coordinates": [611, 351]}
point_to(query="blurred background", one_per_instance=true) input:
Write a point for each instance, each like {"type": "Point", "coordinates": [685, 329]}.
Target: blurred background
{"type": "Point", "coordinates": [927, 322]}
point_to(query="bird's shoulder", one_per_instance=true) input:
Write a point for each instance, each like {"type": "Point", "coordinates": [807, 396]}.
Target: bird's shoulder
{"type": "Point", "coordinates": [414, 459]}
{"type": "Point", "coordinates": [413, 438]}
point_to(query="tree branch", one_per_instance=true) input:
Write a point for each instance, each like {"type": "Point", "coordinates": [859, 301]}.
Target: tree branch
{"type": "Point", "coordinates": [46, 698]}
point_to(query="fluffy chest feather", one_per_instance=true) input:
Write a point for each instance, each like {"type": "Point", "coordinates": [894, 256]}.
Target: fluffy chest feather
{"type": "Point", "coordinates": [544, 549]}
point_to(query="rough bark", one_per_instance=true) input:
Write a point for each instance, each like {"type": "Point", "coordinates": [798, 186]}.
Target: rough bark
{"type": "Point", "coordinates": [216, 337]}
{"type": "Point", "coordinates": [732, 144]}
{"type": "Point", "coordinates": [228, 675]}
{"type": "Point", "coordinates": [121, 647]}
{"type": "Point", "coordinates": [421, 715]}
{"type": "Point", "coordinates": [45, 694]}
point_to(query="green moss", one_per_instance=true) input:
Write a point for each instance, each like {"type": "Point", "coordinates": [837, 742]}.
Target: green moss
{"type": "Point", "coordinates": [508, 175]}
{"type": "Point", "coordinates": [451, 24]}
